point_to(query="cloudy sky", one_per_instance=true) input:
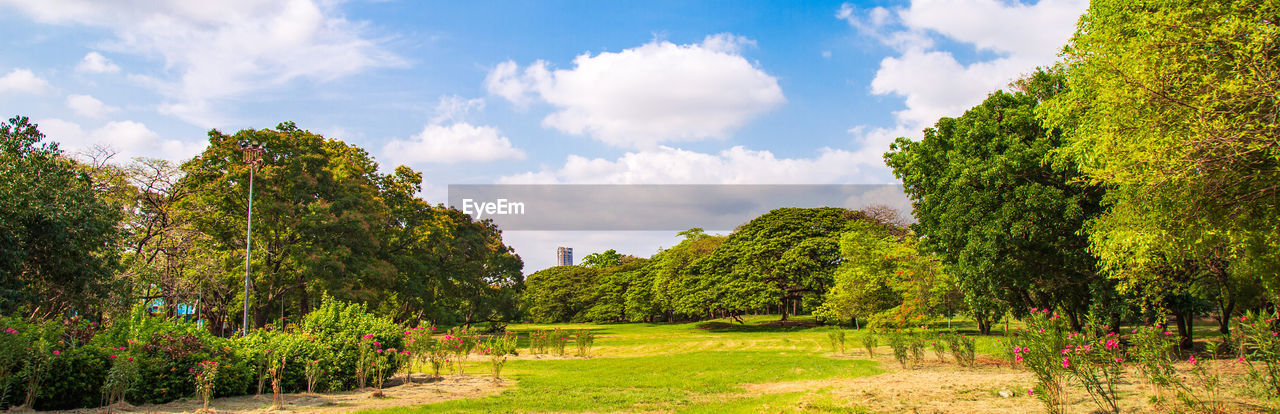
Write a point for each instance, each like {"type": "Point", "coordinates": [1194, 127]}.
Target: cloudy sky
{"type": "Point", "coordinates": [483, 92]}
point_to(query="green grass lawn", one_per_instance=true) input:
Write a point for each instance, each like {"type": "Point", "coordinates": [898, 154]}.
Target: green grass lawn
{"type": "Point", "coordinates": [665, 367]}
{"type": "Point", "coordinates": [692, 367]}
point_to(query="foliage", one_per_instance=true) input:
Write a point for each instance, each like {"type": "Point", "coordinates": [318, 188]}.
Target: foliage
{"type": "Point", "coordinates": [205, 373]}
{"type": "Point", "coordinates": [559, 294]}
{"type": "Point", "coordinates": [962, 348]}
{"type": "Point", "coordinates": [602, 260]}
{"type": "Point", "coordinates": [1003, 217]}
{"type": "Point", "coordinates": [1152, 348]}
{"type": "Point", "coordinates": [1171, 106]}
{"type": "Point", "coordinates": [1098, 363]}
{"type": "Point", "coordinates": [497, 348]}
{"type": "Point", "coordinates": [837, 341]}
{"type": "Point", "coordinates": [58, 235]}
{"type": "Point", "coordinates": [1043, 351]}
{"type": "Point", "coordinates": [882, 277]}
{"type": "Point", "coordinates": [778, 258]}
{"type": "Point", "coordinates": [1261, 345]}
{"type": "Point", "coordinates": [870, 340]}
{"type": "Point", "coordinates": [583, 339]}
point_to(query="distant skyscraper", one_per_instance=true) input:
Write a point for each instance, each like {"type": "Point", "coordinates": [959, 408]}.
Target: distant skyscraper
{"type": "Point", "coordinates": [564, 256]}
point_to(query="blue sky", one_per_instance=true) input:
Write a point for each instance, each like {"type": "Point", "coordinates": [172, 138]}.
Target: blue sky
{"type": "Point", "coordinates": [528, 92]}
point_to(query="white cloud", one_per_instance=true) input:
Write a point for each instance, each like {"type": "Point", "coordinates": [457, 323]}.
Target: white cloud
{"type": "Point", "coordinates": [736, 165]}
{"type": "Point", "coordinates": [933, 82]}
{"type": "Point", "coordinates": [128, 138]}
{"type": "Point", "coordinates": [644, 96]}
{"type": "Point", "coordinates": [457, 142]}
{"type": "Point", "coordinates": [217, 50]}
{"type": "Point", "coordinates": [88, 106]}
{"type": "Point", "coordinates": [94, 62]}
{"type": "Point", "coordinates": [22, 80]}
{"type": "Point", "coordinates": [454, 108]}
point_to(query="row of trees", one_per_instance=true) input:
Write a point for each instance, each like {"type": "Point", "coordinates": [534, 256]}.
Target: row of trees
{"type": "Point", "coordinates": [837, 263]}
{"type": "Point", "coordinates": [90, 236]}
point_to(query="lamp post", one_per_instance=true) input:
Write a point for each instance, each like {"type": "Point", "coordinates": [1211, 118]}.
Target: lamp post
{"type": "Point", "coordinates": [253, 157]}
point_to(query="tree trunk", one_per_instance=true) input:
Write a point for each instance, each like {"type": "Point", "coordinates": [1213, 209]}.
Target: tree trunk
{"type": "Point", "coordinates": [1224, 316]}
{"type": "Point", "coordinates": [784, 309]}
{"type": "Point", "coordinates": [1186, 329]}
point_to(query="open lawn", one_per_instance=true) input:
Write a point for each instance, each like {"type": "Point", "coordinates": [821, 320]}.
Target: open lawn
{"type": "Point", "coordinates": [764, 366]}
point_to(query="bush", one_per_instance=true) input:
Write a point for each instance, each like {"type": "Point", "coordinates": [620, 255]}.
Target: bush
{"type": "Point", "coordinates": [337, 327]}
{"type": "Point", "coordinates": [870, 341]}
{"type": "Point", "coordinates": [962, 348]}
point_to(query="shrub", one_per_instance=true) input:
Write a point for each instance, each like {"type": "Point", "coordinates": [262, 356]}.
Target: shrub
{"type": "Point", "coordinates": [1260, 345]}
{"type": "Point", "coordinates": [870, 341]}
{"type": "Point", "coordinates": [584, 339]}
{"type": "Point", "coordinates": [837, 340]}
{"type": "Point", "coordinates": [497, 348]}
{"type": "Point", "coordinates": [338, 327]}
{"type": "Point", "coordinates": [901, 344]}
{"type": "Point", "coordinates": [205, 373]}
{"type": "Point", "coordinates": [1098, 363]}
{"type": "Point", "coordinates": [962, 348]}
{"type": "Point", "coordinates": [1152, 350]}
{"type": "Point", "coordinates": [1041, 352]}
{"type": "Point", "coordinates": [1205, 394]}
{"type": "Point", "coordinates": [939, 346]}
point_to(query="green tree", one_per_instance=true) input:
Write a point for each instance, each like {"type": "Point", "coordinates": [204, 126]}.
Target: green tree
{"type": "Point", "coordinates": [884, 277]}
{"type": "Point", "coordinates": [1172, 107]}
{"type": "Point", "coordinates": [607, 258]}
{"type": "Point", "coordinates": [319, 219]}
{"type": "Point", "coordinates": [609, 303]}
{"type": "Point", "coordinates": [1004, 217]}
{"type": "Point", "coordinates": [58, 237]}
{"type": "Point", "coordinates": [775, 259]}
{"type": "Point", "coordinates": [559, 294]}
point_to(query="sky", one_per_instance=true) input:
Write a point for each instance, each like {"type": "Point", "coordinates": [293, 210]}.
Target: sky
{"type": "Point", "coordinates": [529, 92]}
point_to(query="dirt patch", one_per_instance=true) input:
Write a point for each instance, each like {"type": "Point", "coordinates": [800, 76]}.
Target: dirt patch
{"type": "Point", "coordinates": [419, 392]}
{"type": "Point", "coordinates": [939, 387]}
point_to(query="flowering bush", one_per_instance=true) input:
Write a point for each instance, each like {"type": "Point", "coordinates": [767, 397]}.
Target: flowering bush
{"type": "Point", "coordinates": [538, 341]}
{"type": "Point", "coordinates": [962, 348]}
{"type": "Point", "coordinates": [584, 339]}
{"type": "Point", "coordinates": [1041, 352]}
{"type": "Point", "coordinates": [205, 373]}
{"type": "Point", "coordinates": [939, 346]}
{"type": "Point", "coordinates": [1098, 363]}
{"type": "Point", "coordinates": [1260, 345]}
{"type": "Point", "coordinates": [121, 377]}
{"type": "Point", "coordinates": [559, 339]}
{"type": "Point", "coordinates": [1152, 349]}
{"type": "Point", "coordinates": [313, 371]}
{"type": "Point", "coordinates": [497, 349]}
{"type": "Point", "coordinates": [901, 343]}
{"type": "Point", "coordinates": [1203, 392]}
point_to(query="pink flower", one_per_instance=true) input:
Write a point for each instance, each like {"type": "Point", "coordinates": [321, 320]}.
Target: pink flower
{"type": "Point", "coordinates": [1240, 359]}
{"type": "Point", "coordinates": [367, 336]}
{"type": "Point", "coordinates": [1119, 360]}
{"type": "Point", "coordinates": [1066, 362]}
{"type": "Point", "coordinates": [1041, 330]}
{"type": "Point", "coordinates": [1030, 392]}
{"type": "Point", "coordinates": [56, 352]}
{"type": "Point", "coordinates": [112, 357]}
{"type": "Point", "coordinates": [1168, 333]}
{"type": "Point", "coordinates": [1192, 360]}
{"type": "Point", "coordinates": [130, 359]}
{"type": "Point", "coordinates": [1018, 357]}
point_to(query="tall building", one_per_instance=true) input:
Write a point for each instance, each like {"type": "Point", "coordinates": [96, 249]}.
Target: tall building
{"type": "Point", "coordinates": [564, 256]}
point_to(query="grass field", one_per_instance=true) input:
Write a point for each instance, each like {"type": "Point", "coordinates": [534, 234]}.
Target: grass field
{"type": "Point", "coordinates": [761, 366]}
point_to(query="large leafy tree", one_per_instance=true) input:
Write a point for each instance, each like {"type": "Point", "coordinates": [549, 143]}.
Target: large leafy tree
{"type": "Point", "coordinates": [991, 203]}
{"type": "Point", "coordinates": [58, 237]}
{"type": "Point", "coordinates": [317, 211]}
{"type": "Point", "coordinates": [778, 259]}
{"type": "Point", "coordinates": [1172, 106]}
{"type": "Point", "coordinates": [668, 283]}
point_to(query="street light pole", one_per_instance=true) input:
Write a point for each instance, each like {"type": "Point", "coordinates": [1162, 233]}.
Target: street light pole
{"type": "Point", "coordinates": [252, 156]}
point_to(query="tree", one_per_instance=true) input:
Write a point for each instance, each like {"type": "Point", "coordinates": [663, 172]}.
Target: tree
{"type": "Point", "coordinates": [318, 216]}
{"type": "Point", "coordinates": [775, 259]}
{"type": "Point", "coordinates": [559, 294]}
{"type": "Point", "coordinates": [607, 258]}
{"type": "Point", "coordinates": [883, 277]}
{"type": "Point", "coordinates": [609, 301]}
{"type": "Point", "coordinates": [1171, 106]}
{"type": "Point", "coordinates": [667, 284]}
{"type": "Point", "coordinates": [998, 210]}
{"type": "Point", "coordinates": [58, 236]}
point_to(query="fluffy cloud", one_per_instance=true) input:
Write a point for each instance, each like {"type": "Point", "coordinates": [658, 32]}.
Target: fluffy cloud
{"type": "Point", "coordinates": [128, 138]}
{"type": "Point", "coordinates": [88, 106]}
{"type": "Point", "coordinates": [94, 62]}
{"type": "Point", "coordinates": [457, 142]}
{"type": "Point", "coordinates": [736, 165]}
{"type": "Point", "coordinates": [223, 49]}
{"type": "Point", "coordinates": [22, 80]}
{"type": "Point", "coordinates": [644, 96]}
{"type": "Point", "coordinates": [933, 82]}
